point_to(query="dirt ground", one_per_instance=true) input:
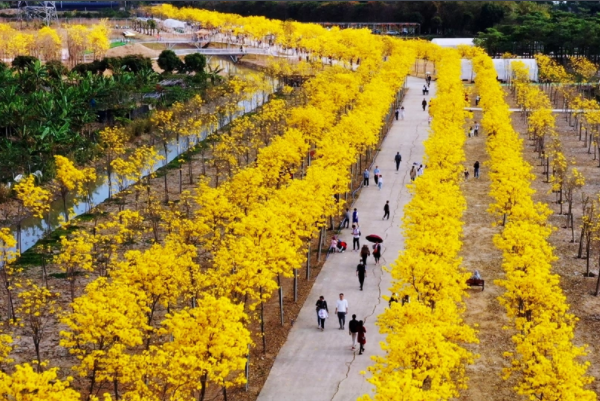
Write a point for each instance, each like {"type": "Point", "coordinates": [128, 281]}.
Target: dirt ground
{"type": "Point", "coordinates": [483, 308]}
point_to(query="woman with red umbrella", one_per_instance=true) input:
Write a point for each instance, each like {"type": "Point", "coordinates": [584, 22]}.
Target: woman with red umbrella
{"type": "Point", "coordinates": [377, 240]}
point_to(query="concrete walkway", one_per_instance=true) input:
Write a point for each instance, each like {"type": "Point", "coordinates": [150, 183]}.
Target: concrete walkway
{"type": "Point", "coordinates": [319, 366]}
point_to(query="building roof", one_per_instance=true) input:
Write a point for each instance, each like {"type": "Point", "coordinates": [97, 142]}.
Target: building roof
{"type": "Point", "coordinates": [453, 42]}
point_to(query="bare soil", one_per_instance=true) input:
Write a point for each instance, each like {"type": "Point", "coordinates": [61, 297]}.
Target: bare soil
{"type": "Point", "coordinates": [483, 308]}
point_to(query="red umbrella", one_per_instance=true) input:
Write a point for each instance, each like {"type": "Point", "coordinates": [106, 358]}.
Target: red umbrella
{"type": "Point", "coordinates": [374, 238]}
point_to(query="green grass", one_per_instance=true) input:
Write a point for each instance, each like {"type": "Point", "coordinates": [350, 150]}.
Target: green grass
{"type": "Point", "coordinates": [117, 44]}
{"type": "Point", "coordinates": [65, 275]}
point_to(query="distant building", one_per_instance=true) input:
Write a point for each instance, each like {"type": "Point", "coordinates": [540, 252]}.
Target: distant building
{"type": "Point", "coordinates": [453, 42]}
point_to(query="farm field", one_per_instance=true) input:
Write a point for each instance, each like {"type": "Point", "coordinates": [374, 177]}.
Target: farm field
{"type": "Point", "coordinates": [233, 197]}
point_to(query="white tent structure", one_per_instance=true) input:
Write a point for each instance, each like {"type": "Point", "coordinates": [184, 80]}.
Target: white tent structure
{"type": "Point", "coordinates": [453, 42]}
{"type": "Point", "coordinates": [173, 23]}
{"type": "Point", "coordinates": [503, 69]}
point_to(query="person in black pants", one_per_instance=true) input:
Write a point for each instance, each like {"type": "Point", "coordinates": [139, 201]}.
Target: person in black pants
{"type": "Point", "coordinates": [321, 304]}
{"type": "Point", "coordinates": [346, 222]}
{"type": "Point", "coordinates": [361, 272]}
{"type": "Point", "coordinates": [355, 238]}
{"type": "Point", "coordinates": [386, 210]}
{"type": "Point", "coordinates": [364, 253]}
{"type": "Point", "coordinates": [397, 159]}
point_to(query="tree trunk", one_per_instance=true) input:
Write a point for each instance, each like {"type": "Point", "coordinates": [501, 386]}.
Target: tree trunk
{"type": "Point", "coordinates": [308, 263]}
{"type": "Point", "coordinates": [580, 250]}
{"type": "Point", "coordinates": [280, 297]}
{"type": "Point", "coordinates": [587, 252]}
{"type": "Point", "coordinates": [116, 388]}
{"type": "Point", "coordinates": [262, 322]}
{"type": "Point", "coordinates": [203, 386]}
{"type": "Point", "coordinates": [295, 285]}
{"type": "Point", "coordinates": [320, 247]}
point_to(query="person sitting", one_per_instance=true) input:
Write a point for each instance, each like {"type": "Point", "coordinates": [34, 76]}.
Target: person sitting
{"type": "Point", "coordinates": [341, 246]}
{"type": "Point", "coordinates": [476, 275]}
{"type": "Point", "coordinates": [333, 245]}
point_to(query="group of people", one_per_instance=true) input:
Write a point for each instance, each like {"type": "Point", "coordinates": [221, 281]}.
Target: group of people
{"type": "Point", "coordinates": [376, 175]}
{"type": "Point", "coordinates": [473, 130]}
{"type": "Point", "coordinates": [399, 113]}
{"type": "Point", "coordinates": [356, 328]}
{"type": "Point", "coordinates": [416, 172]}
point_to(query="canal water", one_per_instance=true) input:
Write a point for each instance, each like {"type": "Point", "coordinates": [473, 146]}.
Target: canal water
{"type": "Point", "coordinates": [33, 229]}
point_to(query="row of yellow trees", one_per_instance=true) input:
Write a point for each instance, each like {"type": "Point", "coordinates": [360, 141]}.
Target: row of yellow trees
{"type": "Point", "coordinates": [47, 44]}
{"type": "Point", "coordinates": [545, 360]}
{"type": "Point", "coordinates": [172, 318]}
{"type": "Point", "coordinates": [541, 126]}
{"type": "Point", "coordinates": [345, 45]}
{"type": "Point", "coordinates": [425, 356]}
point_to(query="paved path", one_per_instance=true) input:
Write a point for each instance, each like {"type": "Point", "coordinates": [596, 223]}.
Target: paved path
{"type": "Point", "coordinates": [320, 366]}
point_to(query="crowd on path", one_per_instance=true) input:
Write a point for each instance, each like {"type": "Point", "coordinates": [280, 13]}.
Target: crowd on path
{"type": "Point", "coordinates": [356, 328]}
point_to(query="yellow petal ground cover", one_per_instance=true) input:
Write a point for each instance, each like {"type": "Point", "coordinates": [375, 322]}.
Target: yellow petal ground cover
{"type": "Point", "coordinates": [425, 354]}
{"type": "Point", "coordinates": [545, 361]}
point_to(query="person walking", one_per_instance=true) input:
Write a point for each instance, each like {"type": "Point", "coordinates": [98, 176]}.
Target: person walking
{"type": "Point", "coordinates": [354, 217]}
{"type": "Point", "coordinates": [376, 252]}
{"type": "Point", "coordinates": [397, 113]}
{"type": "Point", "coordinates": [397, 159]}
{"type": "Point", "coordinates": [476, 169]}
{"type": "Point", "coordinates": [424, 104]}
{"type": "Point", "coordinates": [413, 173]}
{"type": "Point", "coordinates": [471, 132]}
{"type": "Point", "coordinates": [420, 170]}
{"type": "Point", "coordinates": [364, 253]}
{"type": "Point", "coordinates": [355, 238]}
{"type": "Point", "coordinates": [376, 173]}
{"type": "Point", "coordinates": [477, 99]}
{"type": "Point", "coordinates": [341, 309]}
{"type": "Point", "coordinates": [362, 339]}
{"type": "Point", "coordinates": [366, 177]}
{"type": "Point", "coordinates": [476, 129]}
{"type": "Point", "coordinates": [402, 113]}
{"type": "Point", "coordinates": [424, 89]}
{"type": "Point", "coordinates": [353, 330]}
{"type": "Point", "coordinates": [380, 182]}
{"type": "Point", "coordinates": [386, 210]}
{"type": "Point", "coordinates": [321, 306]}
{"type": "Point", "coordinates": [346, 221]}
{"type": "Point", "coordinates": [361, 272]}
{"type": "Point", "coordinates": [466, 172]}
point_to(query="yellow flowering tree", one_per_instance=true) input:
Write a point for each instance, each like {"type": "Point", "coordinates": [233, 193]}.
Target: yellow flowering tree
{"type": "Point", "coordinates": [31, 198]}
{"type": "Point", "coordinates": [8, 255]}
{"type": "Point", "coordinates": [25, 384]}
{"type": "Point", "coordinates": [35, 312]}
{"type": "Point", "coordinates": [104, 323]}
{"type": "Point", "coordinates": [72, 180]}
